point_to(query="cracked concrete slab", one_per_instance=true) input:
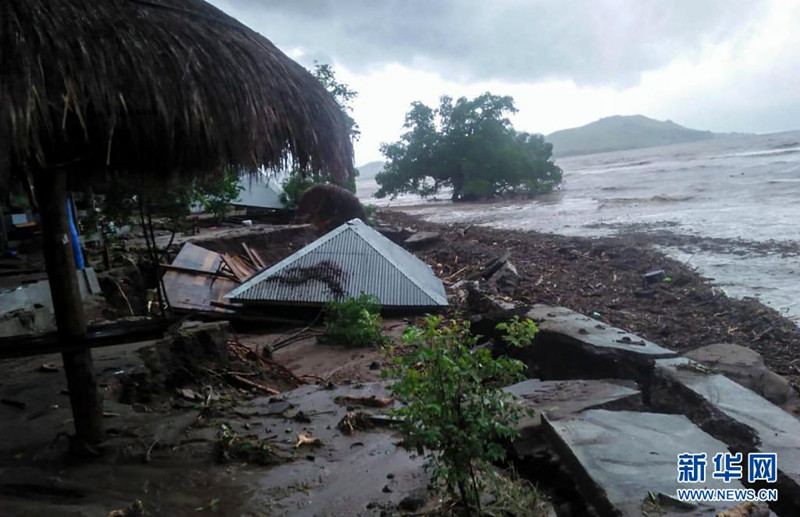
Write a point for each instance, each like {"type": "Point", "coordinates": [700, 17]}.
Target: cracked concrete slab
{"type": "Point", "coordinates": [573, 346]}
{"type": "Point", "coordinates": [618, 458]}
{"type": "Point", "coordinates": [776, 430]}
{"type": "Point", "coordinates": [564, 399]}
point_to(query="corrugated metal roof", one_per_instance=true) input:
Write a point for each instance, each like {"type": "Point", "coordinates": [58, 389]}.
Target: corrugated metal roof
{"type": "Point", "coordinates": [356, 257]}
{"type": "Point", "coordinates": [259, 192]}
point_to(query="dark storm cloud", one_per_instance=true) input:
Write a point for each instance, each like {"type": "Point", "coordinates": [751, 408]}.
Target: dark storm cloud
{"type": "Point", "coordinates": [590, 41]}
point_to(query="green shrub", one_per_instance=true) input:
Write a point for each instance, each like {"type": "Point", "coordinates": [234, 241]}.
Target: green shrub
{"type": "Point", "coordinates": [217, 193]}
{"type": "Point", "coordinates": [519, 333]}
{"type": "Point", "coordinates": [454, 408]}
{"type": "Point", "coordinates": [355, 322]}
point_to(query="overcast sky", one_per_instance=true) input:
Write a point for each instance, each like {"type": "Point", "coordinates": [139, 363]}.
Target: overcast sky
{"type": "Point", "coordinates": [723, 65]}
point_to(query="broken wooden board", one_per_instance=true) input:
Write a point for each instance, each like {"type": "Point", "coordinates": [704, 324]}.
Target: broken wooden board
{"type": "Point", "coordinates": [195, 281]}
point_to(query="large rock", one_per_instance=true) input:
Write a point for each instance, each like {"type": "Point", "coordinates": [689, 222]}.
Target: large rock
{"type": "Point", "coordinates": [421, 240]}
{"type": "Point", "coordinates": [746, 367]}
{"type": "Point", "coordinates": [620, 458]}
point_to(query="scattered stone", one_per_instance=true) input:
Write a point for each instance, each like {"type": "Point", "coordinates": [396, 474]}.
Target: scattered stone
{"type": "Point", "coordinates": [386, 489]}
{"type": "Point", "coordinates": [301, 417]}
{"type": "Point", "coordinates": [413, 502]}
{"type": "Point", "coordinates": [654, 276]}
{"type": "Point", "coordinates": [188, 394]}
{"type": "Point", "coordinates": [48, 368]}
{"type": "Point", "coordinates": [375, 365]}
{"type": "Point", "coordinates": [421, 240]}
{"type": "Point", "coordinates": [746, 367]}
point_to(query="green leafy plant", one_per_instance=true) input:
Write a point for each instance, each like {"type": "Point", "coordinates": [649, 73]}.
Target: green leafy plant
{"type": "Point", "coordinates": [518, 333]}
{"type": "Point", "coordinates": [217, 194]}
{"type": "Point", "coordinates": [454, 408]}
{"type": "Point", "coordinates": [355, 322]}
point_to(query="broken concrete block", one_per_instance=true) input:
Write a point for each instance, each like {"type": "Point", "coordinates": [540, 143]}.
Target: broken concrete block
{"type": "Point", "coordinates": [571, 345]}
{"type": "Point", "coordinates": [421, 239]}
{"type": "Point", "coordinates": [505, 280]}
{"type": "Point", "coordinates": [172, 362]}
{"type": "Point", "coordinates": [396, 234]}
{"type": "Point", "coordinates": [775, 430]}
{"type": "Point", "coordinates": [565, 399]}
{"type": "Point", "coordinates": [620, 458]}
{"type": "Point", "coordinates": [746, 367]}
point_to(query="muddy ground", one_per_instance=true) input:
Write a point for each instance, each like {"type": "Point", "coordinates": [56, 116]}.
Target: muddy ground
{"type": "Point", "coordinates": [164, 450]}
{"type": "Point", "coordinates": [602, 277]}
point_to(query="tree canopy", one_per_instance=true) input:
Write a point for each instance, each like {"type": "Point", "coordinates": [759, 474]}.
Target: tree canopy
{"type": "Point", "coordinates": [469, 146]}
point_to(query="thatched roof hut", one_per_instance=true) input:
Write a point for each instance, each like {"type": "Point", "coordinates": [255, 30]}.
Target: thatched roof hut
{"type": "Point", "coordinates": [148, 87]}
{"type": "Point", "coordinates": [155, 86]}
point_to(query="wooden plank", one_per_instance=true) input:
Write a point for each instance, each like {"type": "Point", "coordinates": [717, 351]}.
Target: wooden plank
{"type": "Point", "coordinates": [96, 336]}
{"type": "Point", "coordinates": [199, 272]}
{"type": "Point", "coordinates": [259, 261]}
{"type": "Point", "coordinates": [228, 260]}
{"type": "Point", "coordinates": [246, 269]}
{"type": "Point", "coordinates": [250, 255]}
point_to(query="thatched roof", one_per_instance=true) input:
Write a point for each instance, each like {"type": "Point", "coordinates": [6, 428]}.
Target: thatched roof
{"type": "Point", "coordinates": [155, 86]}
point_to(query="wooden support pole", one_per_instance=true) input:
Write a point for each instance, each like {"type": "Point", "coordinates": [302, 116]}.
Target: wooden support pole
{"type": "Point", "coordinates": [87, 406]}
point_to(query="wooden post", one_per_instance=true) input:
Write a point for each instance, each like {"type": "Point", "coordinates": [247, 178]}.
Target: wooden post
{"type": "Point", "coordinates": [87, 406]}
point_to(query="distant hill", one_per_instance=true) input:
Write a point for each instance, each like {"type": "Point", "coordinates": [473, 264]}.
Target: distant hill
{"type": "Point", "coordinates": [622, 132]}
{"type": "Point", "coordinates": [369, 170]}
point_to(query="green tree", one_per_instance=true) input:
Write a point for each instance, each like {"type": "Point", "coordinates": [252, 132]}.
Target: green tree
{"type": "Point", "coordinates": [470, 146]}
{"type": "Point", "coordinates": [300, 180]}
